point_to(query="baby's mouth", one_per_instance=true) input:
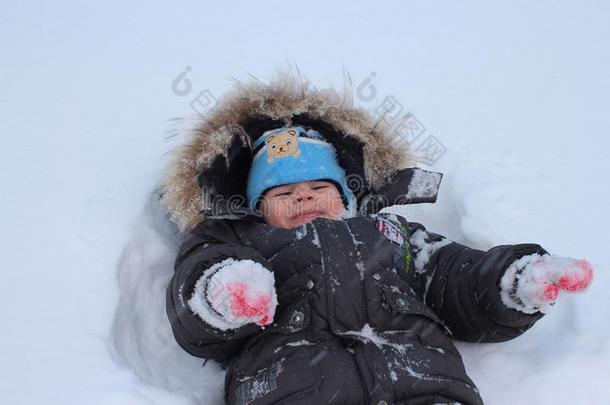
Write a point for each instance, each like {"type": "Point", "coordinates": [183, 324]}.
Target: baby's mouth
{"type": "Point", "coordinates": [307, 216]}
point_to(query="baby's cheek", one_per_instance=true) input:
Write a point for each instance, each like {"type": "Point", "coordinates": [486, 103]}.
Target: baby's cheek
{"type": "Point", "coordinates": [339, 211]}
{"type": "Point", "coordinates": [279, 215]}
{"type": "Point", "coordinates": [336, 208]}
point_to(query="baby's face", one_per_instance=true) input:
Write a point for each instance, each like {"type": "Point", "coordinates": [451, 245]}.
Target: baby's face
{"type": "Point", "coordinates": [292, 205]}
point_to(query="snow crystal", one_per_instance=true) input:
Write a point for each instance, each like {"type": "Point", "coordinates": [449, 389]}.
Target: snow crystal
{"type": "Point", "coordinates": [423, 184]}
{"type": "Point", "coordinates": [438, 349]}
{"type": "Point", "coordinates": [395, 289]}
{"type": "Point", "coordinates": [316, 238]}
{"type": "Point", "coordinates": [429, 278]}
{"type": "Point", "coordinates": [360, 267]}
{"type": "Point", "coordinates": [354, 240]}
{"type": "Point", "coordinates": [359, 262]}
{"type": "Point", "coordinates": [407, 366]}
{"type": "Point", "coordinates": [180, 290]}
{"type": "Point", "coordinates": [300, 343]}
{"type": "Point", "coordinates": [426, 249]}
{"type": "Point", "coordinates": [401, 364]}
{"type": "Point", "coordinates": [415, 374]}
{"type": "Point", "coordinates": [316, 242]}
{"type": "Point", "coordinates": [334, 282]}
{"type": "Point", "coordinates": [301, 231]}
{"type": "Point", "coordinates": [368, 334]}
{"type": "Point", "coordinates": [296, 343]}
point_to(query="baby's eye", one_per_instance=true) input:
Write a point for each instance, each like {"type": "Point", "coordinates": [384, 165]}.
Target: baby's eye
{"type": "Point", "coordinates": [283, 194]}
{"type": "Point", "coordinates": [320, 187]}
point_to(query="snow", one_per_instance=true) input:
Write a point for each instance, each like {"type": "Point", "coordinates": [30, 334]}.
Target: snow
{"type": "Point", "coordinates": [541, 279]}
{"type": "Point", "coordinates": [141, 336]}
{"type": "Point", "coordinates": [368, 334]}
{"type": "Point", "coordinates": [516, 92]}
{"type": "Point", "coordinates": [418, 239]}
{"type": "Point", "coordinates": [216, 284]}
{"type": "Point", "coordinates": [294, 344]}
{"type": "Point", "coordinates": [301, 231]}
{"type": "Point", "coordinates": [316, 238]}
{"type": "Point", "coordinates": [401, 361]}
{"type": "Point", "coordinates": [359, 262]}
{"type": "Point", "coordinates": [423, 185]}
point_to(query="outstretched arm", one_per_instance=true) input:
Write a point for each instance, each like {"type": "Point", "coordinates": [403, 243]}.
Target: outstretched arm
{"type": "Point", "coordinates": [221, 293]}
{"type": "Point", "coordinates": [488, 296]}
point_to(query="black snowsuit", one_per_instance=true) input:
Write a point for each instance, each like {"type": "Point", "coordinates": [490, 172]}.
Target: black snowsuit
{"type": "Point", "coordinates": [358, 321]}
{"type": "Point", "coordinates": [367, 306]}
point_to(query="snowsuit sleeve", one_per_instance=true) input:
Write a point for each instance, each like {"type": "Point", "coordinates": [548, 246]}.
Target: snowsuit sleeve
{"type": "Point", "coordinates": [461, 285]}
{"type": "Point", "coordinates": [205, 246]}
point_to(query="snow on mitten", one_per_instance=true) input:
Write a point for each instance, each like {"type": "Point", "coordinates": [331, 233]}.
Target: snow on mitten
{"type": "Point", "coordinates": [233, 293]}
{"type": "Point", "coordinates": [533, 282]}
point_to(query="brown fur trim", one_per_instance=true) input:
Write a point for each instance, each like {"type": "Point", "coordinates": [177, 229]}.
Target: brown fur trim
{"type": "Point", "coordinates": [286, 95]}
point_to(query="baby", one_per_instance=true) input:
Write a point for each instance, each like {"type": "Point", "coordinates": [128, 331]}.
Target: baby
{"type": "Point", "coordinates": [311, 295]}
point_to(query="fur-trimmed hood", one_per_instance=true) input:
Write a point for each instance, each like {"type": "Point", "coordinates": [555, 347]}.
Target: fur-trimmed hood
{"type": "Point", "coordinates": [212, 166]}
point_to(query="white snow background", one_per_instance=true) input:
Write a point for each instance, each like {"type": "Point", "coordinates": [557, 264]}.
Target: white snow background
{"type": "Point", "coordinates": [516, 91]}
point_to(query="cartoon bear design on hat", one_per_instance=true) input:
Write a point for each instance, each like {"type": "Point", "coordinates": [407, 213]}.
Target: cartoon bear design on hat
{"type": "Point", "coordinates": [282, 145]}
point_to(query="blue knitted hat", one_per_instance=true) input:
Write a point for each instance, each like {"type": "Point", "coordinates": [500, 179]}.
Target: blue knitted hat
{"type": "Point", "coordinates": [291, 155]}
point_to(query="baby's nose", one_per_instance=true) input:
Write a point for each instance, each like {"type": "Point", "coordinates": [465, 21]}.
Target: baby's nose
{"type": "Point", "coordinates": [304, 194]}
{"type": "Point", "coordinates": [304, 197]}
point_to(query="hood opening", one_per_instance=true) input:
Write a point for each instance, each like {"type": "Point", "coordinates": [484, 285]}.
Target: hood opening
{"type": "Point", "coordinates": [214, 162]}
{"type": "Point", "coordinates": [226, 177]}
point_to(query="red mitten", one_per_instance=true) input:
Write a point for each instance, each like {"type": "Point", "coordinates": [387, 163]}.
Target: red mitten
{"type": "Point", "coordinates": [534, 282]}
{"type": "Point", "coordinates": [234, 293]}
